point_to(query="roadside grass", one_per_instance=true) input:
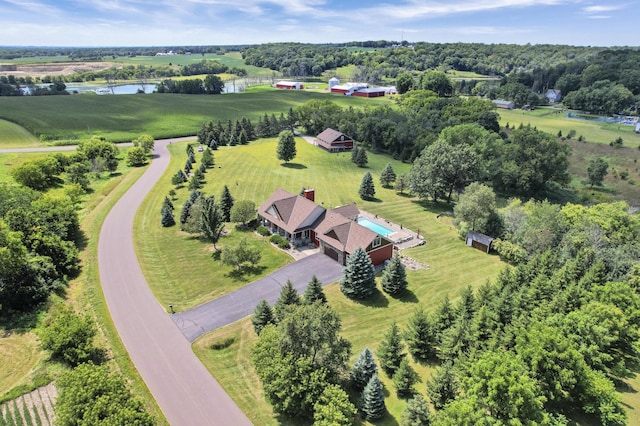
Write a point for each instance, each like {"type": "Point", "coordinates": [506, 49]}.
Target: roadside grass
{"type": "Point", "coordinates": [24, 366]}
{"type": "Point", "coordinates": [552, 120]}
{"type": "Point", "coordinates": [469, 75]}
{"type": "Point", "coordinates": [14, 136]}
{"type": "Point", "coordinates": [10, 160]}
{"type": "Point", "coordinates": [336, 180]}
{"type": "Point", "coordinates": [122, 118]}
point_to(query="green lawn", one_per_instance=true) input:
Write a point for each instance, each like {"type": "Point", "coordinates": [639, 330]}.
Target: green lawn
{"type": "Point", "coordinates": [553, 120]}
{"type": "Point", "coordinates": [252, 172]}
{"type": "Point", "coordinates": [14, 136]}
{"type": "Point", "coordinates": [123, 117]}
{"type": "Point", "coordinates": [10, 160]}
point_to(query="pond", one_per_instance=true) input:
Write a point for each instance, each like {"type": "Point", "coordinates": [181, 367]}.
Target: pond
{"type": "Point", "coordinates": [620, 119]}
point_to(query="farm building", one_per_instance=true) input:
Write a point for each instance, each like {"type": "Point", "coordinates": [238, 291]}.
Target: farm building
{"type": "Point", "coordinates": [296, 85]}
{"type": "Point", "coordinates": [370, 92]}
{"type": "Point", "coordinates": [637, 127]}
{"type": "Point", "coordinates": [479, 241]}
{"type": "Point", "coordinates": [334, 141]}
{"type": "Point", "coordinates": [348, 88]}
{"type": "Point", "coordinates": [553, 95]}
{"type": "Point", "coordinates": [504, 104]}
{"type": "Point", "coordinates": [333, 82]}
{"type": "Point", "coordinates": [336, 232]}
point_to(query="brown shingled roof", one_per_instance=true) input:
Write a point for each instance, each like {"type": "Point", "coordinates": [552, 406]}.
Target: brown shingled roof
{"type": "Point", "coordinates": [293, 212]}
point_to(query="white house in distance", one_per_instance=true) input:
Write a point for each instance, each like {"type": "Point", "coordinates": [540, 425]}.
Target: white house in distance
{"type": "Point", "coordinates": [553, 96]}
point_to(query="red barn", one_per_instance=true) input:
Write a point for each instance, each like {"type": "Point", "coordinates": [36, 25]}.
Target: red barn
{"type": "Point", "coordinates": [372, 92]}
{"type": "Point", "coordinates": [289, 85]}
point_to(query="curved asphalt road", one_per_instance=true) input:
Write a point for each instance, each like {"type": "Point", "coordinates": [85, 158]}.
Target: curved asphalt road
{"type": "Point", "coordinates": [185, 391]}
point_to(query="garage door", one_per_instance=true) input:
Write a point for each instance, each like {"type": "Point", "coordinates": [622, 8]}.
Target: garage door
{"type": "Point", "coordinates": [331, 253]}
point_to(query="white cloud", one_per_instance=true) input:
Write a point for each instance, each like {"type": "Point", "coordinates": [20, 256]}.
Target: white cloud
{"type": "Point", "coordinates": [600, 8]}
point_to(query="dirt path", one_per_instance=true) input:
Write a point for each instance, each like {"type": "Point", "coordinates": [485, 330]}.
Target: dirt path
{"type": "Point", "coordinates": [185, 391]}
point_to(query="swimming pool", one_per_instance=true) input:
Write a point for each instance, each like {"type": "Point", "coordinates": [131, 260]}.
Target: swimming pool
{"type": "Point", "coordinates": [378, 229]}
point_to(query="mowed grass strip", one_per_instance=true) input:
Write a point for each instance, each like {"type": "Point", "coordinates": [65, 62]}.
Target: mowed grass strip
{"type": "Point", "coordinates": [553, 120]}
{"type": "Point", "coordinates": [15, 136]}
{"type": "Point", "coordinates": [121, 118]}
{"type": "Point", "coordinates": [20, 355]}
{"type": "Point", "coordinates": [252, 172]}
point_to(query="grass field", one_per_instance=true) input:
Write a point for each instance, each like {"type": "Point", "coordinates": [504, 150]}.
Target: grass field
{"type": "Point", "coordinates": [124, 117]}
{"type": "Point", "coordinates": [14, 136]}
{"type": "Point", "coordinates": [336, 180]}
{"type": "Point", "coordinates": [551, 120]}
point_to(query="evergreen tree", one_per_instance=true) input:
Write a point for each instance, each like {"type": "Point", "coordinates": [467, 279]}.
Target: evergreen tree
{"type": "Point", "coordinates": [212, 220]}
{"type": "Point", "coordinates": [189, 150]}
{"type": "Point", "coordinates": [167, 203]}
{"type": "Point", "coordinates": [421, 336]}
{"type": "Point", "coordinates": [372, 401]}
{"type": "Point", "coordinates": [417, 413]}
{"type": "Point", "coordinates": [402, 183]}
{"type": "Point", "coordinates": [314, 292]}
{"type": "Point", "coordinates": [194, 183]}
{"type": "Point", "coordinates": [186, 209]}
{"type": "Point", "coordinates": [363, 369]}
{"type": "Point", "coordinates": [213, 144]}
{"type": "Point", "coordinates": [262, 316]}
{"type": "Point", "coordinates": [243, 139]}
{"type": "Point", "coordinates": [207, 158]}
{"type": "Point", "coordinates": [233, 141]}
{"type": "Point", "coordinates": [404, 378]}
{"type": "Point", "coordinates": [187, 167]}
{"type": "Point", "coordinates": [361, 158]}
{"type": "Point", "coordinates": [359, 279]}
{"type": "Point", "coordinates": [286, 150]}
{"type": "Point", "coordinates": [179, 178]}
{"type": "Point", "coordinates": [443, 386]}
{"type": "Point", "coordinates": [354, 154]}
{"type": "Point", "coordinates": [192, 158]}
{"type": "Point", "coordinates": [394, 277]}
{"type": "Point", "coordinates": [444, 317]}
{"type": "Point", "coordinates": [288, 297]}
{"type": "Point", "coordinates": [367, 191]}
{"type": "Point", "coordinates": [226, 203]}
{"type": "Point", "coordinates": [388, 176]}
{"type": "Point", "coordinates": [167, 218]}
{"type": "Point", "coordinates": [390, 351]}
{"type": "Point", "coordinates": [202, 168]}
{"type": "Point", "coordinates": [274, 125]}
{"type": "Point", "coordinates": [291, 119]}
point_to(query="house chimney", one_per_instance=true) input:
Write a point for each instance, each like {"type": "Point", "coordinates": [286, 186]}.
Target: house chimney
{"type": "Point", "coordinates": [309, 194]}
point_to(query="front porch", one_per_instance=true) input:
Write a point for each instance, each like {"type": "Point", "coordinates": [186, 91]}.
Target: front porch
{"type": "Point", "coordinates": [297, 239]}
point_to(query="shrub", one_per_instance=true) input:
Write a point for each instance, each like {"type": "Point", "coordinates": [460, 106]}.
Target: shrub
{"type": "Point", "coordinates": [512, 253]}
{"type": "Point", "coordinates": [262, 230]}
{"type": "Point", "coordinates": [280, 242]}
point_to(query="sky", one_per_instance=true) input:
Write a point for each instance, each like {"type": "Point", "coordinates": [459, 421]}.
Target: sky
{"type": "Point", "coordinates": [231, 22]}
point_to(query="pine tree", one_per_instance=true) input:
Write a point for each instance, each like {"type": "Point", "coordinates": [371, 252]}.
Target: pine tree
{"type": "Point", "coordinates": [444, 317]}
{"type": "Point", "coordinates": [243, 139]}
{"type": "Point", "coordinates": [233, 141]}
{"type": "Point", "coordinates": [390, 351]}
{"type": "Point", "coordinates": [361, 158]}
{"type": "Point", "coordinates": [363, 369]}
{"type": "Point", "coordinates": [388, 176]}
{"type": "Point", "coordinates": [186, 209]}
{"type": "Point", "coordinates": [286, 149]}
{"type": "Point", "coordinates": [167, 218]}
{"type": "Point", "coordinates": [394, 277]}
{"type": "Point", "coordinates": [187, 167]}
{"type": "Point", "coordinates": [226, 203]}
{"type": "Point", "coordinates": [372, 401]}
{"type": "Point", "coordinates": [207, 158]}
{"type": "Point", "coordinates": [443, 386]}
{"type": "Point", "coordinates": [402, 183]}
{"type": "Point", "coordinates": [354, 154]}
{"type": "Point", "coordinates": [421, 336]}
{"type": "Point", "coordinates": [314, 292]}
{"type": "Point", "coordinates": [179, 178]}
{"type": "Point", "coordinates": [167, 203]}
{"type": "Point", "coordinates": [288, 297]}
{"type": "Point", "coordinates": [417, 413]}
{"type": "Point", "coordinates": [189, 150]}
{"type": "Point", "coordinates": [359, 279]}
{"type": "Point", "coordinates": [367, 191]}
{"type": "Point", "coordinates": [194, 183]}
{"type": "Point", "coordinates": [404, 378]}
{"type": "Point", "coordinates": [192, 158]}
{"type": "Point", "coordinates": [262, 316]}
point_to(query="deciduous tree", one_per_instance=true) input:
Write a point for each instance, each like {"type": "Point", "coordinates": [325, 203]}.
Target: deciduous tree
{"type": "Point", "coordinates": [286, 150]}
{"type": "Point", "coordinates": [596, 171]}
{"type": "Point", "coordinates": [243, 211]}
{"type": "Point", "coordinates": [333, 408]}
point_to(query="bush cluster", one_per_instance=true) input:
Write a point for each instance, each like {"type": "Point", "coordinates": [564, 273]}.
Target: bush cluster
{"type": "Point", "coordinates": [280, 242]}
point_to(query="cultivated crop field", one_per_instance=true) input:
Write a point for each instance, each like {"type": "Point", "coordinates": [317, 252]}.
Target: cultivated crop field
{"type": "Point", "coordinates": [252, 172]}
{"type": "Point", "coordinates": [122, 118]}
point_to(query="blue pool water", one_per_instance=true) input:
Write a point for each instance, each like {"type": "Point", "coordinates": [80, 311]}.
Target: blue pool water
{"type": "Point", "coordinates": [379, 229]}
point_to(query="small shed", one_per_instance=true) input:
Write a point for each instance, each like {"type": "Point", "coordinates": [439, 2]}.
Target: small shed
{"type": "Point", "coordinates": [479, 241]}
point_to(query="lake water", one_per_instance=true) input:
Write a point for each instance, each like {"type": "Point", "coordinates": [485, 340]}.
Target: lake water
{"type": "Point", "coordinates": [620, 119]}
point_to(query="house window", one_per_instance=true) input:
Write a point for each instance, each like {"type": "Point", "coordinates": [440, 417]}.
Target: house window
{"type": "Point", "coordinates": [376, 242]}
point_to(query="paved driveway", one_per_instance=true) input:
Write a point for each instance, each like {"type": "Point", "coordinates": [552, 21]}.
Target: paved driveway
{"type": "Point", "coordinates": [241, 303]}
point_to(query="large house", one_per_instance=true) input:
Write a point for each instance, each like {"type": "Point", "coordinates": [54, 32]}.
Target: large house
{"type": "Point", "coordinates": [553, 95]}
{"type": "Point", "coordinates": [337, 232]}
{"type": "Point", "coordinates": [334, 141]}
